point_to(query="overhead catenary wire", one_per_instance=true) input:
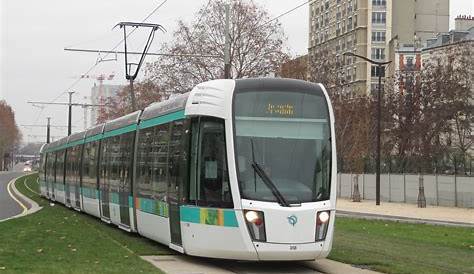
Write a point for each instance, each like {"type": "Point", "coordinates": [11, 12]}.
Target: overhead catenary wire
{"type": "Point", "coordinates": [95, 64]}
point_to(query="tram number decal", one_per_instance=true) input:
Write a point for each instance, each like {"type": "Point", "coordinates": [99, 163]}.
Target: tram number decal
{"type": "Point", "coordinates": [293, 247]}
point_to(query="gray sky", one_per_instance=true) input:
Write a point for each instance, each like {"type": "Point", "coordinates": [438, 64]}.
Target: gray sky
{"type": "Point", "coordinates": [34, 65]}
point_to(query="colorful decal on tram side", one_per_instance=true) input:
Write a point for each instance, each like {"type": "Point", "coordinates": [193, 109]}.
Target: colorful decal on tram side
{"type": "Point", "coordinates": [151, 206]}
{"type": "Point", "coordinates": [209, 216]}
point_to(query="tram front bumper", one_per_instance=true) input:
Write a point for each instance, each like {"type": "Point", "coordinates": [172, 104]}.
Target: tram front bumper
{"type": "Point", "coordinates": [291, 252]}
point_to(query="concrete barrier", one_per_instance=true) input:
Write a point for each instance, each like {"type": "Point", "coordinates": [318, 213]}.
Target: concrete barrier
{"type": "Point", "coordinates": [441, 190]}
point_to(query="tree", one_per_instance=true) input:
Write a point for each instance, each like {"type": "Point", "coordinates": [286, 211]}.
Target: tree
{"type": "Point", "coordinates": [10, 136]}
{"type": "Point", "coordinates": [433, 119]}
{"type": "Point", "coordinates": [296, 68]}
{"type": "Point", "coordinates": [256, 47]}
{"type": "Point", "coordinates": [146, 93]}
{"type": "Point", "coordinates": [354, 123]}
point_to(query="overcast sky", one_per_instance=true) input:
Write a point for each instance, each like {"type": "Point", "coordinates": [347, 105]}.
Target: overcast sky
{"type": "Point", "coordinates": [34, 65]}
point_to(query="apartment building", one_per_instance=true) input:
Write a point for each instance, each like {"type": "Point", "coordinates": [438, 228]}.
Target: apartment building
{"type": "Point", "coordinates": [366, 27]}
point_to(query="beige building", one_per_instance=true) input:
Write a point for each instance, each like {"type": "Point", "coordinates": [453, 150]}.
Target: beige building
{"type": "Point", "coordinates": [366, 27]}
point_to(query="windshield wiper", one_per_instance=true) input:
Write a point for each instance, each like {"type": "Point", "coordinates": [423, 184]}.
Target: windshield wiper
{"type": "Point", "coordinates": [263, 175]}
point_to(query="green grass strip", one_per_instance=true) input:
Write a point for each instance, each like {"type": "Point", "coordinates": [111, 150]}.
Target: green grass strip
{"type": "Point", "coordinates": [60, 240]}
{"type": "Point", "coordinates": [393, 247]}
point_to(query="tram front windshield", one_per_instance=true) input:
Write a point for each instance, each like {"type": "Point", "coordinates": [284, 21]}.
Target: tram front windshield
{"type": "Point", "coordinates": [283, 146]}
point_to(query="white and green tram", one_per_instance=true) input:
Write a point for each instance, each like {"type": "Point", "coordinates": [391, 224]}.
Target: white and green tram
{"type": "Point", "coordinates": [235, 169]}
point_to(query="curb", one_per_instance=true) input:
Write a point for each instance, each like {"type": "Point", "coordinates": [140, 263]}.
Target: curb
{"type": "Point", "coordinates": [34, 207]}
{"type": "Point", "coordinates": [372, 216]}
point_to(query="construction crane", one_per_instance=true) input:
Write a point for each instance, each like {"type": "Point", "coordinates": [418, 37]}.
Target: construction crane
{"type": "Point", "coordinates": [99, 77]}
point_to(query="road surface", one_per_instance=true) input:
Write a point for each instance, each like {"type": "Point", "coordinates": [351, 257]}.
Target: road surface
{"type": "Point", "coordinates": [8, 206]}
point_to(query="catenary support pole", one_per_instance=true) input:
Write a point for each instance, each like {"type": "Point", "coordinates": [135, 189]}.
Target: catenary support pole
{"type": "Point", "coordinates": [69, 123]}
{"type": "Point", "coordinates": [227, 43]}
{"type": "Point", "coordinates": [48, 130]}
{"type": "Point", "coordinates": [132, 96]}
{"type": "Point", "coordinates": [377, 158]}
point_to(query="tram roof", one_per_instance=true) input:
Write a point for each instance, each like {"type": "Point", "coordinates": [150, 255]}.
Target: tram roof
{"type": "Point", "coordinates": [76, 137]}
{"type": "Point", "coordinates": [283, 84]}
{"type": "Point", "coordinates": [173, 104]}
{"type": "Point", "coordinates": [127, 120]}
{"type": "Point", "coordinates": [97, 129]}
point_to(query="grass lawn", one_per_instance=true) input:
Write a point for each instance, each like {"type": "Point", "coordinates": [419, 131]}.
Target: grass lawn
{"type": "Point", "coordinates": [60, 240]}
{"type": "Point", "coordinates": [404, 248]}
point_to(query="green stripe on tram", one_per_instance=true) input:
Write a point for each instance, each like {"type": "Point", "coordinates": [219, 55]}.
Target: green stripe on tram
{"type": "Point", "coordinates": [162, 119]}
{"type": "Point", "coordinates": [93, 138]}
{"type": "Point", "coordinates": [208, 216]}
{"type": "Point", "coordinates": [120, 131]}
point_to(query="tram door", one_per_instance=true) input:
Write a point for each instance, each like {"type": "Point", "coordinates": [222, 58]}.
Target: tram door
{"type": "Point", "coordinates": [53, 179]}
{"type": "Point", "coordinates": [104, 160]}
{"type": "Point", "coordinates": [176, 174]}
{"type": "Point", "coordinates": [47, 172]}
{"type": "Point", "coordinates": [77, 177]}
{"type": "Point", "coordinates": [67, 176]}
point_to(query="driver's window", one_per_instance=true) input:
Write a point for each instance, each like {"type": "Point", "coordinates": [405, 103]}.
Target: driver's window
{"type": "Point", "coordinates": [209, 175]}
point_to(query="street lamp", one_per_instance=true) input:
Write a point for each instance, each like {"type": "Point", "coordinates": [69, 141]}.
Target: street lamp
{"type": "Point", "coordinates": [380, 65]}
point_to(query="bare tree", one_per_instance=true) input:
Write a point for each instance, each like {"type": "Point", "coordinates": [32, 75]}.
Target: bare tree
{"type": "Point", "coordinates": [296, 68]}
{"type": "Point", "coordinates": [353, 114]}
{"type": "Point", "coordinates": [256, 47]}
{"type": "Point", "coordinates": [433, 118]}
{"type": "Point", "coordinates": [146, 93]}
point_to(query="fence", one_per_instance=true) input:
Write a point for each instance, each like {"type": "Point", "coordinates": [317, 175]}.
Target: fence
{"type": "Point", "coordinates": [440, 190]}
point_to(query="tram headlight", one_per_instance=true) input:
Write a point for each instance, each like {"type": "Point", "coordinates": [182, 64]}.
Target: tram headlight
{"type": "Point", "coordinates": [255, 224]}
{"type": "Point", "coordinates": [322, 223]}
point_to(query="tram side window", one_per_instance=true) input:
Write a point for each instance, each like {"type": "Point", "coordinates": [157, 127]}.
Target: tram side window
{"type": "Point", "coordinates": [89, 165]}
{"type": "Point", "coordinates": [42, 169]}
{"type": "Point", "coordinates": [152, 171]}
{"type": "Point", "coordinates": [125, 156]}
{"type": "Point", "coordinates": [70, 155]}
{"type": "Point", "coordinates": [60, 166]}
{"type": "Point", "coordinates": [113, 156]}
{"type": "Point", "coordinates": [209, 175]}
{"type": "Point", "coordinates": [112, 159]}
{"type": "Point", "coordinates": [103, 164]}
{"type": "Point", "coordinates": [144, 158]}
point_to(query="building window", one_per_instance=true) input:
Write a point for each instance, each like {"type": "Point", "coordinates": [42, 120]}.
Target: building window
{"type": "Point", "coordinates": [349, 24]}
{"type": "Point", "coordinates": [379, 3]}
{"type": "Point", "coordinates": [375, 71]}
{"type": "Point", "coordinates": [378, 17]}
{"type": "Point", "coordinates": [378, 36]}
{"type": "Point", "coordinates": [378, 53]}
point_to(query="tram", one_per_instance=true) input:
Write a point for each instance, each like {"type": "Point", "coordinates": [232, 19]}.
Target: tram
{"type": "Point", "coordinates": [234, 169]}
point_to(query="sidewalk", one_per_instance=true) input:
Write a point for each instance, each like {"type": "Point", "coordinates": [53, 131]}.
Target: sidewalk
{"type": "Point", "coordinates": [407, 212]}
{"type": "Point", "coordinates": [181, 264]}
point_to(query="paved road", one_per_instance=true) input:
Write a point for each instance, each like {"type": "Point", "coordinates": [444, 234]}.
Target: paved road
{"type": "Point", "coordinates": [8, 206]}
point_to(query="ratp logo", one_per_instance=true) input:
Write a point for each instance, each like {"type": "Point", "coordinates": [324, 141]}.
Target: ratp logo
{"type": "Point", "coordinates": [292, 220]}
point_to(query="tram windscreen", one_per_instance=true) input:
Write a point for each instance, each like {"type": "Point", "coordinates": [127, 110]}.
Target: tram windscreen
{"type": "Point", "coordinates": [287, 136]}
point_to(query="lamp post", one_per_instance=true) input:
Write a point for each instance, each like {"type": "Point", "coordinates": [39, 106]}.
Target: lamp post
{"type": "Point", "coordinates": [380, 65]}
